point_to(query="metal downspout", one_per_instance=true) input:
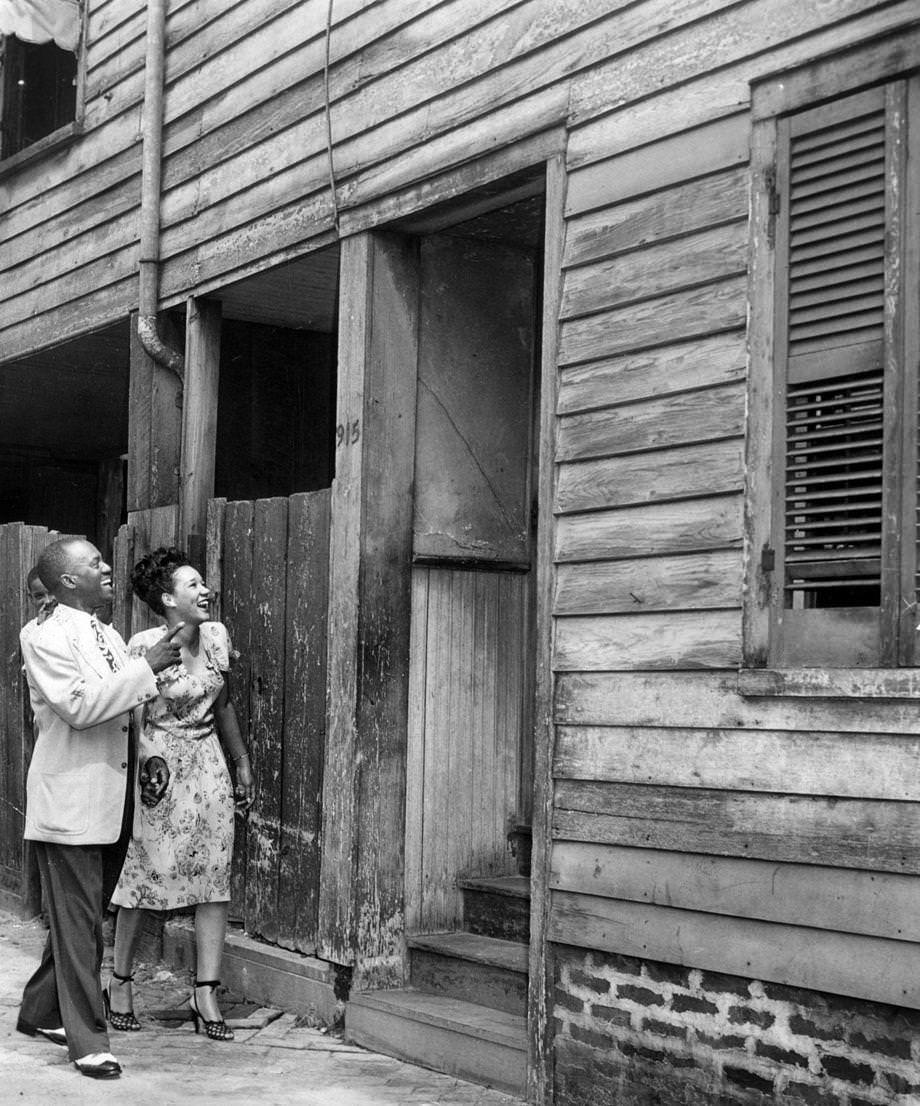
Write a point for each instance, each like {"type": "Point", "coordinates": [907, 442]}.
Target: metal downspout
{"type": "Point", "coordinates": [151, 168]}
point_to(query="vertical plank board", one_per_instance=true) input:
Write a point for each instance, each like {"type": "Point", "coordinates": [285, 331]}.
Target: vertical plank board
{"type": "Point", "coordinates": [415, 747]}
{"type": "Point", "coordinates": [461, 735]}
{"type": "Point", "coordinates": [486, 789]}
{"type": "Point", "coordinates": [337, 905]}
{"type": "Point", "coordinates": [151, 529]}
{"type": "Point", "coordinates": [214, 555]}
{"type": "Point", "coordinates": [140, 382]}
{"type": "Point", "coordinates": [11, 583]}
{"type": "Point", "coordinates": [266, 696]}
{"type": "Point", "coordinates": [539, 1024]}
{"type": "Point", "coordinates": [154, 426]}
{"type": "Point", "coordinates": [237, 617]}
{"type": "Point", "coordinates": [759, 579]}
{"type": "Point", "coordinates": [199, 422]}
{"type": "Point", "coordinates": [370, 583]}
{"type": "Point", "coordinates": [304, 718]}
{"type": "Point", "coordinates": [110, 499]}
{"type": "Point", "coordinates": [35, 538]}
{"type": "Point", "coordinates": [514, 652]}
{"type": "Point", "coordinates": [123, 561]}
{"type": "Point", "coordinates": [436, 892]}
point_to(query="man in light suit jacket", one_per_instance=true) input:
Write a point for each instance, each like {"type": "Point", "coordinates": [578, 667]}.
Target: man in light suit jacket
{"type": "Point", "coordinates": [80, 792]}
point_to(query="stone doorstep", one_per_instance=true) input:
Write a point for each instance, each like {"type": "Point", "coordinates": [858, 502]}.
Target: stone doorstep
{"type": "Point", "coordinates": [264, 975]}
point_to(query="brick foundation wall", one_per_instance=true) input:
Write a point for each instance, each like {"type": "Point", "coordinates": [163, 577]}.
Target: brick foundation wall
{"type": "Point", "coordinates": [641, 1033]}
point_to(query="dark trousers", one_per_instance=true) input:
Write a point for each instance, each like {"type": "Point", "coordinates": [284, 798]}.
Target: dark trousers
{"type": "Point", "coordinates": [78, 882]}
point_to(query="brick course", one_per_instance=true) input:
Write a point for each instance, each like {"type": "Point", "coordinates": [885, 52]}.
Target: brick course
{"type": "Point", "coordinates": [645, 1034]}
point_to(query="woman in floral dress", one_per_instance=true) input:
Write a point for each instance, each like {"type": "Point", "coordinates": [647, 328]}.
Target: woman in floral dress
{"type": "Point", "coordinates": [182, 846]}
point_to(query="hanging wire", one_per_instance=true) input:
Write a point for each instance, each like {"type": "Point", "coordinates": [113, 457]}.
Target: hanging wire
{"type": "Point", "coordinates": [335, 202]}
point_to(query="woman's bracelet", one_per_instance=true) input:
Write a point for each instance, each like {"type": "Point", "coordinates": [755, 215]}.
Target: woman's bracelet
{"type": "Point", "coordinates": [242, 756]}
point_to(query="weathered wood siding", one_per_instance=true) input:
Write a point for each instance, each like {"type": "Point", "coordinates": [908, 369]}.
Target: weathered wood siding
{"type": "Point", "coordinates": [657, 750]}
{"type": "Point", "coordinates": [771, 837]}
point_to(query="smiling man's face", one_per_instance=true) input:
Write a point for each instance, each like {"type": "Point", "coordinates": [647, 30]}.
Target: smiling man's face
{"type": "Point", "coordinates": [88, 579]}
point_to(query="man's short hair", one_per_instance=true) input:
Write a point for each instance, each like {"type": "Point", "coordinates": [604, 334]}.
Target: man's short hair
{"type": "Point", "coordinates": [34, 575]}
{"type": "Point", "coordinates": [55, 561]}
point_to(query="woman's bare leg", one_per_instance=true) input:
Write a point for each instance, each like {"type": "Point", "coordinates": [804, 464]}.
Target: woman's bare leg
{"type": "Point", "coordinates": [128, 927]}
{"type": "Point", "coordinates": [210, 931]}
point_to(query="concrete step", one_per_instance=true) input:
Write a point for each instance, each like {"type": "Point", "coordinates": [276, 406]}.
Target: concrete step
{"type": "Point", "coordinates": [468, 966]}
{"type": "Point", "coordinates": [497, 906]}
{"type": "Point", "coordinates": [445, 1034]}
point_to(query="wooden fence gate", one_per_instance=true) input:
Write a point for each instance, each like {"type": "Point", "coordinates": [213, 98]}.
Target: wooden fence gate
{"type": "Point", "coordinates": [268, 560]}
{"type": "Point", "coordinates": [20, 546]}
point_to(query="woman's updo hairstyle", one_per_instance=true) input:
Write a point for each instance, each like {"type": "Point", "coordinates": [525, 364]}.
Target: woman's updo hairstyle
{"type": "Point", "coordinates": [152, 577]}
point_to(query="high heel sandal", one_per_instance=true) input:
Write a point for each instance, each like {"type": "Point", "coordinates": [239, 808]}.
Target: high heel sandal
{"type": "Point", "coordinates": [216, 1030]}
{"type": "Point", "coordinates": [125, 1023]}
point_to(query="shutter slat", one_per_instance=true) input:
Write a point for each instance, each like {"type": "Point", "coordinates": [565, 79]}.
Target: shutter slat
{"type": "Point", "coordinates": [863, 259]}
{"type": "Point", "coordinates": [836, 249]}
{"type": "Point", "coordinates": [849, 175]}
{"type": "Point", "coordinates": [861, 306]}
{"type": "Point", "coordinates": [849, 226]}
{"type": "Point", "coordinates": [848, 290]}
{"type": "Point", "coordinates": [862, 195]}
{"type": "Point", "coordinates": [828, 336]}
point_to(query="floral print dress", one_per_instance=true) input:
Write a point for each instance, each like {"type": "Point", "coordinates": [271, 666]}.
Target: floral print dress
{"type": "Point", "coordinates": [181, 849]}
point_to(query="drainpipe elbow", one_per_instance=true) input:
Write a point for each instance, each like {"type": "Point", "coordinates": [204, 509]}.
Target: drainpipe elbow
{"type": "Point", "coordinates": [163, 354]}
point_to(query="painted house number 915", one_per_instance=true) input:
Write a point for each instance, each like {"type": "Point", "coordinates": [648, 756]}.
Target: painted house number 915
{"type": "Point", "coordinates": [347, 433]}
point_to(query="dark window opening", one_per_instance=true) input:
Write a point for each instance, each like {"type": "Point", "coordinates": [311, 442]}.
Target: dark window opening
{"type": "Point", "coordinates": [39, 92]}
{"type": "Point", "coordinates": [275, 411]}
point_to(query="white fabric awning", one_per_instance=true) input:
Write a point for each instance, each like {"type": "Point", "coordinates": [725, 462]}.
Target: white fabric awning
{"type": "Point", "coordinates": [42, 21]}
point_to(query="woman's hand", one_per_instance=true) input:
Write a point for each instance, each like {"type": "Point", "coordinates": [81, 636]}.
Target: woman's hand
{"type": "Point", "coordinates": [244, 792]}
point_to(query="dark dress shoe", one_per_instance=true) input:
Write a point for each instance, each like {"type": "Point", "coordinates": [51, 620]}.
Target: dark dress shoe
{"type": "Point", "coordinates": [99, 1069]}
{"type": "Point", "coordinates": [57, 1036]}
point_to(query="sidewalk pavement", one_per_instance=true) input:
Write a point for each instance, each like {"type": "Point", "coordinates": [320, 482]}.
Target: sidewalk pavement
{"type": "Point", "coordinates": [274, 1060]}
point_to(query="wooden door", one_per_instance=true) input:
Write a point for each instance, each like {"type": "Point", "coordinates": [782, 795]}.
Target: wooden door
{"type": "Point", "coordinates": [470, 685]}
{"type": "Point", "coordinates": [268, 560]}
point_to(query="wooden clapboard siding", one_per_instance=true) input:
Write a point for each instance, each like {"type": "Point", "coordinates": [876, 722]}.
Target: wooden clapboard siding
{"type": "Point", "coordinates": [648, 530]}
{"type": "Point", "coordinates": [676, 473]}
{"type": "Point", "coordinates": [678, 639]}
{"type": "Point", "coordinates": [688, 313]}
{"type": "Point", "coordinates": [699, 258]}
{"type": "Point", "coordinates": [736, 32]}
{"type": "Point", "coordinates": [691, 581]}
{"type": "Point", "coordinates": [877, 904]}
{"type": "Point", "coordinates": [712, 699]}
{"type": "Point", "coordinates": [848, 833]}
{"type": "Point", "coordinates": [466, 724]}
{"type": "Point", "coordinates": [665, 213]}
{"type": "Point", "coordinates": [872, 968]}
{"type": "Point", "coordinates": [708, 362]}
{"type": "Point", "coordinates": [864, 766]}
{"type": "Point", "coordinates": [416, 88]}
{"type": "Point", "coordinates": [671, 420]}
{"type": "Point", "coordinates": [709, 148]}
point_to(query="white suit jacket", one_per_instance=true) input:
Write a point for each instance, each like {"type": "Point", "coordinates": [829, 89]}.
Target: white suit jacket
{"type": "Point", "coordinates": [75, 788]}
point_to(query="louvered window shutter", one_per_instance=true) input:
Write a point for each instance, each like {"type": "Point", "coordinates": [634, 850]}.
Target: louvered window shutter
{"type": "Point", "coordinates": [835, 202]}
